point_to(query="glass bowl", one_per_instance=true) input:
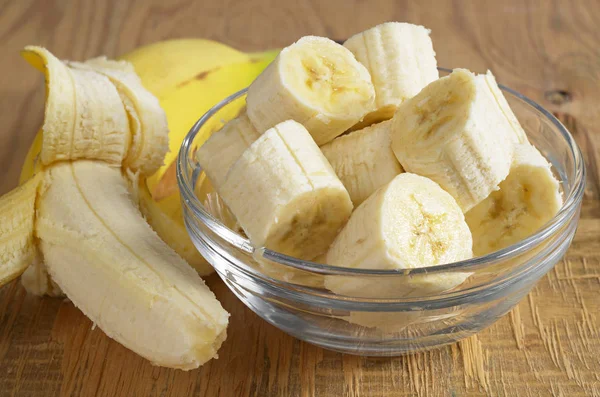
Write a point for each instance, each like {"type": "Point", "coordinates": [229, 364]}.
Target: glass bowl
{"type": "Point", "coordinates": [289, 292]}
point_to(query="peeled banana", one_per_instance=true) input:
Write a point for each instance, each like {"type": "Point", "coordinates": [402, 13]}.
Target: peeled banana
{"type": "Point", "coordinates": [528, 198]}
{"type": "Point", "coordinates": [285, 195]}
{"type": "Point", "coordinates": [455, 133]}
{"type": "Point", "coordinates": [79, 221]}
{"type": "Point", "coordinates": [408, 223]}
{"type": "Point", "coordinates": [315, 82]}
{"type": "Point", "coordinates": [144, 295]}
{"type": "Point", "coordinates": [401, 61]}
{"type": "Point", "coordinates": [363, 160]}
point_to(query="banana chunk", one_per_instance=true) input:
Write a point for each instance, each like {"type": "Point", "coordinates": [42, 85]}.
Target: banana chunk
{"type": "Point", "coordinates": [285, 195]}
{"type": "Point", "coordinates": [315, 82]}
{"type": "Point", "coordinates": [401, 61]}
{"type": "Point", "coordinates": [110, 263]}
{"type": "Point", "coordinates": [528, 198]}
{"type": "Point", "coordinates": [363, 160]}
{"type": "Point", "coordinates": [455, 133]}
{"type": "Point", "coordinates": [409, 223]}
{"type": "Point", "coordinates": [149, 130]}
{"type": "Point", "coordinates": [17, 217]}
{"type": "Point", "coordinates": [224, 147]}
{"type": "Point", "coordinates": [84, 116]}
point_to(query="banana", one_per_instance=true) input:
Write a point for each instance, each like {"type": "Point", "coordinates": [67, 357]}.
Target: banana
{"type": "Point", "coordinates": [408, 223]}
{"type": "Point", "coordinates": [363, 160]}
{"type": "Point", "coordinates": [455, 133]}
{"type": "Point", "coordinates": [401, 61]}
{"type": "Point", "coordinates": [84, 116]}
{"type": "Point", "coordinates": [17, 217]}
{"type": "Point", "coordinates": [144, 295]}
{"type": "Point", "coordinates": [285, 195]}
{"type": "Point", "coordinates": [147, 119]}
{"type": "Point", "coordinates": [528, 198]}
{"type": "Point", "coordinates": [165, 65]}
{"type": "Point", "coordinates": [225, 146]}
{"type": "Point", "coordinates": [315, 82]}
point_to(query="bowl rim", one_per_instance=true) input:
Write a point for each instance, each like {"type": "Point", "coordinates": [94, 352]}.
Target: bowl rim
{"type": "Point", "coordinates": [570, 205]}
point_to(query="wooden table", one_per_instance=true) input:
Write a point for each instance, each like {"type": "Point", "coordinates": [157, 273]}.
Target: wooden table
{"type": "Point", "coordinates": [548, 345]}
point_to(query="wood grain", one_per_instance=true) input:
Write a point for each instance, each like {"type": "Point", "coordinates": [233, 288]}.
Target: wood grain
{"type": "Point", "coordinates": [549, 345]}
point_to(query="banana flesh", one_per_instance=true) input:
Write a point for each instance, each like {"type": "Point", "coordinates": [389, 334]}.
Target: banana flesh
{"type": "Point", "coordinates": [528, 198]}
{"type": "Point", "coordinates": [224, 147]}
{"type": "Point", "coordinates": [409, 223]}
{"type": "Point", "coordinates": [285, 195]}
{"type": "Point", "coordinates": [315, 82]}
{"type": "Point", "coordinates": [363, 160]}
{"type": "Point", "coordinates": [455, 133]}
{"type": "Point", "coordinates": [149, 140]}
{"type": "Point", "coordinates": [144, 296]}
{"type": "Point", "coordinates": [84, 116]}
{"type": "Point", "coordinates": [17, 219]}
{"type": "Point", "coordinates": [401, 61]}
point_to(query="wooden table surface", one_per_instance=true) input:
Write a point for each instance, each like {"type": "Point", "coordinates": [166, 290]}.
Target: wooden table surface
{"type": "Point", "coordinates": [548, 345]}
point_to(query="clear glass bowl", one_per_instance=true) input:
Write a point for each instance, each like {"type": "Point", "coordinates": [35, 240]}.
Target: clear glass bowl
{"type": "Point", "coordinates": [289, 293]}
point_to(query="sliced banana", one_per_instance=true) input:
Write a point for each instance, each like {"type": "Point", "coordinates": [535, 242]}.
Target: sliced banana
{"type": "Point", "coordinates": [224, 147]}
{"type": "Point", "coordinates": [363, 160]}
{"type": "Point", "coordinates": [149, 130]}
{"type": "Point", "coordinates": [401, 61]}
{"type": "Point", "coordinates": [17, 217]}
{"type": "Point", "coordinates": [84, 115]}
{"type": "Point", "coordinates": [114, 267]}
{"type": "Point", "coordinates": [455, 133]}
{"type": "Point", "coordinates": [285, 195]}
{"type": "Point", "coordinates": [409, 223]}
{"type": "Point", "coordinates": [528, 198]}
{"type": "Point", "coordinates": [316, 82]}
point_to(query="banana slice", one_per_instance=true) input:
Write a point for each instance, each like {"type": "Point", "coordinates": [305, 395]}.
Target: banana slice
{"type": "Point", "coordinates": [224, 147]}
{"type": "Point", "coordinates": [315, 82]}
{"type": "Point", "coordinates": [455, 133]}
{"type": "Point", "coordinates": [17, 216]}
{"type": "Point", "coordinates": [528, 198]}
{"type": "Point", "coordinates": [401, 61]}
{"type": "Point", "coordinates": [285, 195]}
{"type": "Point", "coordinates": [149, 130]}
{"type": "Point", "coordinates": [110, 263]}
{"type": "Point", "coordinates": [84, 115]}
{"type": "Point", "coordinates": [409, 223]}
{"type": "Point", "coordinates": [363, 160]}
